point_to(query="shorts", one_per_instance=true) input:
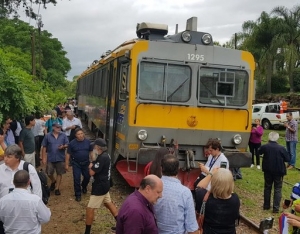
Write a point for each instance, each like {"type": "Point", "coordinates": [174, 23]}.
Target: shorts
{"type": "Point", "coordinates": [96, 201]}
{"type": "Point", "coordinates": [59, 167]}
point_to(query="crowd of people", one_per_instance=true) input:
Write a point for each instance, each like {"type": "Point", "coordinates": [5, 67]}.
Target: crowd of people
{"type": "Point", "coordinates": [160, 205]}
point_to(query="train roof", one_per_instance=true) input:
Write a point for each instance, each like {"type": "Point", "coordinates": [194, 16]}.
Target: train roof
{"type": "Point", "coordinates": [156, 32]}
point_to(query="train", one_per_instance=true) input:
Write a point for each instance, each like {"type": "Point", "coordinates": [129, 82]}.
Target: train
{"type": "Point", "coordinates": [176, 91]}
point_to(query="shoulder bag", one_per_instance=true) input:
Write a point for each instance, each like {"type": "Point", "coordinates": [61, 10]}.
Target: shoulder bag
{"type": "Point", "coordinates": [200, 219]}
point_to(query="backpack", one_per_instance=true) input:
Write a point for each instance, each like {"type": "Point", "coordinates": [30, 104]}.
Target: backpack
{"type": "Point", "coordinates": [44, 183]}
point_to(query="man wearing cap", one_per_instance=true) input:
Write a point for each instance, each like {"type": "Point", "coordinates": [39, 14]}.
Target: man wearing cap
{"type": "Point", "coordinates": [100, 170]}
{"type": "Point", "coordinates": [53, 155]}
{"type": "Point", "coordinates": [273, 166]}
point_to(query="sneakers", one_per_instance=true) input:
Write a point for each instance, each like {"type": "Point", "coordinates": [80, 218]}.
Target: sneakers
{"type": "Point", "coordinates": [252, 165]}
{"type": "Point", "coordinates": [290, 167]}
{"type": "Point", "coordinates": [258, 167]}
{"type": "Point", "coordinates": [57, 192]}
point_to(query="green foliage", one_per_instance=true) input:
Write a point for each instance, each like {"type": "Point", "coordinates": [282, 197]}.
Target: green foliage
{"type": "Point", "coordinates": [8, 7]}
{"type": "Point", "coordinates": [22, 93]}
{"type": "Point", "coordinates": [296, 79]}
{"type": "Point", "coordinates": [280, 82]}
{"type": "Point", "coordinates": [261, 87]}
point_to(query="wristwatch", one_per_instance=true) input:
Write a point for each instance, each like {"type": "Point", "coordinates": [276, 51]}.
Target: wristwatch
{"type": "Point", "coordinates": [209, 173]}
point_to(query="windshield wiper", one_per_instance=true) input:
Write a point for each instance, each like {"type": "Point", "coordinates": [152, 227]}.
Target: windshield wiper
{"type": "Point", "coordinates": [177, 89]}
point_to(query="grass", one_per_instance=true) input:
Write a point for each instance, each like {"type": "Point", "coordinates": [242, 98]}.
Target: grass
{"type": "Point", "coordinates": [250, 188]}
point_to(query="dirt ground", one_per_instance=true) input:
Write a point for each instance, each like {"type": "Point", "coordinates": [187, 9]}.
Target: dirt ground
{"type": "Point", "coordinates": [68, 215]}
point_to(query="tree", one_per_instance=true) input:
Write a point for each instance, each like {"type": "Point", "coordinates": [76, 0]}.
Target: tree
{"type": "Point", "coordinates": [261, 38]}
{"type": "Point", "coordinates": [289, 24]}
{"type": "Point", "coordinates": [8, 7]}
{"type": "Point", "coordinates": [49, 51]}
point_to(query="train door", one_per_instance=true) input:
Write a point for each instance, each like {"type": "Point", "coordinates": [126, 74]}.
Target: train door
{"type": "Point", "coordinates": [111, 107]}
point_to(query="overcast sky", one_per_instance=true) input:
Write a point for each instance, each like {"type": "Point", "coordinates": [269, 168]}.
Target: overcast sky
{"type": "Point", "coordinates": [87, 28]}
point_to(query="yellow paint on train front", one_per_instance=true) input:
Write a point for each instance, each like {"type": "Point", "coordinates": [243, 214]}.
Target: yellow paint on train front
{"type": "Point", "coordinates": [174, 116]}
{"type": "Point", "coordinates": [165, 116]}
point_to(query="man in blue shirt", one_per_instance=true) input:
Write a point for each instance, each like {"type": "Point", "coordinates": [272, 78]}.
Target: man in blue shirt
{"type": "Point", "coordinates": [175, 211]}
{"type": "Point", "coordinates": [80, 149]}
{"type": "Point", "coordinates": [53, 154]}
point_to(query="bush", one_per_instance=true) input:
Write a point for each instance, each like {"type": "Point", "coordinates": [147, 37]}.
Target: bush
{"type": "Point", "coordinates": [296, 79]}
{"type": "Point", "coordinates": [279, 83]}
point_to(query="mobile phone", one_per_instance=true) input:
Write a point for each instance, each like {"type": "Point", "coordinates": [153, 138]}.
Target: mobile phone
{"type": "Point", "coordinates": [287, 202]}
{"type": "Point", "coordinates": [223, 164]}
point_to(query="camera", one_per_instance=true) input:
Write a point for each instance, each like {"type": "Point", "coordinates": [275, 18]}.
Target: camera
{"type": "Point", "coordinates": [266, 224]}
{"type": "Point", "coordinates": [223, 164]}
{"type": "Point", "coordinates": [254, 125]}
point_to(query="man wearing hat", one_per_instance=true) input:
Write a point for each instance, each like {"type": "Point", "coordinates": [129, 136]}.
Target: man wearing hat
{"type": "Point", "coordinates": [53, 154]}
{"type": "Point", "coordinates": [100, 170]}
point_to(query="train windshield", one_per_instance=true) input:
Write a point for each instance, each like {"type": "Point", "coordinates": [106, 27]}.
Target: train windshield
{"type": "Point", "coordinates": [164, 82]}
{"type": "Point", "coordinates": [223, 87]}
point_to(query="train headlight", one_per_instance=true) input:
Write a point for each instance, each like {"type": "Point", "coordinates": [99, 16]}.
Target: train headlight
{"type": "Point", "coordinates": [206, 39]}
{"type": "Point", "coordinates": [142, 135]}
{"type": "Point", "coordinates": [186, 36]}
{"type": "Point", "coordinates": [237, 139]}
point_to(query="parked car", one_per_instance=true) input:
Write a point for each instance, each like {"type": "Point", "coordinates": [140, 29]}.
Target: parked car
{"type": "Point", "coordinates": [269, 115]}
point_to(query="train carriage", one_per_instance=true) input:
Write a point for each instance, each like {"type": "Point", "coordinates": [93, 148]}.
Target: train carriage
{"type": "Point", "coordinates": [176, 91]}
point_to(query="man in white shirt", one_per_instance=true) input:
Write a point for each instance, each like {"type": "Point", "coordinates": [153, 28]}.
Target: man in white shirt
{"type": "Point", "coordinates": [12, 164]}
{"type": "Point", "coordinates": [70, 123]}
{"type": "Point", "coordinates": [38, 131]}
{"type": "Point", "coordinates": [20, 211]}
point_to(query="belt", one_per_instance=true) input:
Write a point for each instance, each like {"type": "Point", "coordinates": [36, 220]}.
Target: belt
{"type": "Point", "coordinates": [81, 163]}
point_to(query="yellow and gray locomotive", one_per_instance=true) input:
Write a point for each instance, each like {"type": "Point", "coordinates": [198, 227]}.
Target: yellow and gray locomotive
{"type": "Point", "coordinates": [162, 90]}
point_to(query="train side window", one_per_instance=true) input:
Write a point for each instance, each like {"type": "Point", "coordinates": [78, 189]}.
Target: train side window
{"type": "Point", "coordinates": [123, 87]}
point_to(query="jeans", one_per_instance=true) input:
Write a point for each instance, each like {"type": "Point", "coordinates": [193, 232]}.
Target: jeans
{"type": "Point", "coordinates": [291, 149]}
{"type": "Point", "coordinates": [269, 180]}
{"type": "Point", "coordinates": [78, 169]}
{"type": "Point", "coordinates": [254, 151]}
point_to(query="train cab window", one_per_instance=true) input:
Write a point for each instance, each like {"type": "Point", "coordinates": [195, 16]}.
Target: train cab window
{"type": "Point", "coordinates": [223, 87]}
{"type": "Point", "coordinates": [164, 82]}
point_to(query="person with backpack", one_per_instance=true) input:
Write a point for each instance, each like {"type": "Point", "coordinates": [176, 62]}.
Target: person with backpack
{"type": "Point", "coordinates": [12, 163]}
{"type": "Point", "coordinates": [20, 211]}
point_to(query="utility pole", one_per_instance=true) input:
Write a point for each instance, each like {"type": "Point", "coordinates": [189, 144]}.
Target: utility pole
{"type": "Point", "coordinates": [33, 53]}
{"type": "Point", "coordinates": [40, 25]}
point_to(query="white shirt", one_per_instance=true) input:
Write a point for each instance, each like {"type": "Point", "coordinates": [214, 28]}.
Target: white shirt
{"type": "Point", "coordinates": [38, 128]}
{"type": "Point", "coordinates": [7, 177]}
{"type": "Point", "coordinates": [68, 123]}
{"type": "Point", "coordinates": [19, 129]}
{"type": "Point", "coordinates": [215, 162]}
{"type": "Point", "coordinates": [23, 212]}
